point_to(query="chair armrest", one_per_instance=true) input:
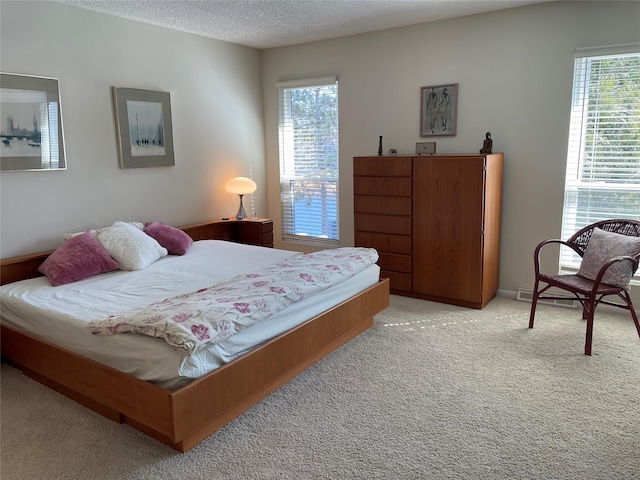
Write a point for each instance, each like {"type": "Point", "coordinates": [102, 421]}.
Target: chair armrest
{"type": "Point", "coordinates": [537, 251]}
{"type": "Point", "coordinates": [603, 270]}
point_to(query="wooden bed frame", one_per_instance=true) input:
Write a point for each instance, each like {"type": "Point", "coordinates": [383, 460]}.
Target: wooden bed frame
{"type": "Point", "coordinates": [184, 417]}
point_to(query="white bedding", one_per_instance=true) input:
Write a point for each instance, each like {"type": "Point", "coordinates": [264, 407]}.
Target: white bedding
{"type": "Point", "coordinates": [60, 314]}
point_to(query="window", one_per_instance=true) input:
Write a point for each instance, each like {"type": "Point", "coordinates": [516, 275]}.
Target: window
{"type": "Point", "coordinates": [308, 130]}
{"type": "Point", "coordinates": [603, 158]}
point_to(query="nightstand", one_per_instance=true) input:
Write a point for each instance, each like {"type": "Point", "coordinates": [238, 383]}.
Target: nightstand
{"type": "Point", "coordinates": [251, 231]}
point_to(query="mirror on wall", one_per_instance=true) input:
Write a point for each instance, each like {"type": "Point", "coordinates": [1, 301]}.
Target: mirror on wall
{"type": "Point", "coordinates": [31, 135]}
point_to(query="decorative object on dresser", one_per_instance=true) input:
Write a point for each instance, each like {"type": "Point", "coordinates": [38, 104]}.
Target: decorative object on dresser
{"type": "Point", "coordinates": [435, 221]}
{"type": "Point", "coordinates": [487, 145]}
{"type": "Point", "coordinates": [143, 124]}
{"type": "Point", "coordinates": [241, 186]}
{"type": "Point", "coordinates": [31, 131]}
{"type": "Point", "coordinates": [438, 110]}
{"type": "Point", "coordinates": [426, 148]}
{"type": "Point", "coordinates": [380, 146]}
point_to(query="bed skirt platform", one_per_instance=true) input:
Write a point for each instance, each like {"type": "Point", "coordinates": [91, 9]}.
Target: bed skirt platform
{"type": "Point", "coordinates": [184, 417]}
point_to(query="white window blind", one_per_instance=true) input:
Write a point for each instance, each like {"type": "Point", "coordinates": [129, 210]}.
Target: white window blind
{"type": "Point", "coordinates": [308, 138]}
{"type": "Point", "coordinates": [603, 158]}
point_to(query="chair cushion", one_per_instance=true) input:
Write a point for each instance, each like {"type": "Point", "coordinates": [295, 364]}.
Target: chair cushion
{"type": "Point", "coordinates": [578, 284]}
{"type": "Point", "coordinates": [602, 247]}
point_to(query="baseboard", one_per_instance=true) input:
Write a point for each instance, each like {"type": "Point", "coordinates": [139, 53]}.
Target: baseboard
{"type": "Point", "coordinates": [526, 295]}
{"type": "Point", "coordinates": [506, 294]}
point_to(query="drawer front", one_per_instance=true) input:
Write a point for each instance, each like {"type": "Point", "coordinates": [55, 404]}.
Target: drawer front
{"type": "Point", "coordinates": [383, 166]}
{"type": "Point", "coordinates": [383, 205]}
{"type": "Point", "coordinates": [391, 186]}
{"type": "Point", "coordinates": [384, 243]}
{"type": "Point", "coordinates": [395, 263]}
{"type": "Point", "coordinates": [267, 239]}
{"type": "Point", "coordinates": [382, 224]}
{"type": "Point", "coordinates": [398, 281]}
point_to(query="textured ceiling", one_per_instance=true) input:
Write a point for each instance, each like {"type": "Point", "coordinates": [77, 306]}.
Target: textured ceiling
{"type": "Point", "coordinates": [274, 23]}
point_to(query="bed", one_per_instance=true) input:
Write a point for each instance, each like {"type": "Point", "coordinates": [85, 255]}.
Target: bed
{"type": "Point", "coordinates": [175, 402]}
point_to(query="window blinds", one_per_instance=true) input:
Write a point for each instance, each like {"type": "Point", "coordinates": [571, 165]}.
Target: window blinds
{"type": "Point", "coordinates": [603, 157]}
{"type": "Point", "coordinates": [308, 140]}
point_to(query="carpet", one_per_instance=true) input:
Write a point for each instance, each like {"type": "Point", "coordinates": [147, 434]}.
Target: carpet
{"type": "Point", "coordinates": [432, 391]}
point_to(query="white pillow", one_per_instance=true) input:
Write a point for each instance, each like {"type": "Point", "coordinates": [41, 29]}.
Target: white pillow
{"type": "Point", "coordinates": [97, 231]}
{"type": "Point", "coordinates": [130, 247]}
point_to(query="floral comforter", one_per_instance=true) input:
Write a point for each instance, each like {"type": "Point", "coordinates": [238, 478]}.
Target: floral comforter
{"type": "Point", "coordinates": [211, 315]}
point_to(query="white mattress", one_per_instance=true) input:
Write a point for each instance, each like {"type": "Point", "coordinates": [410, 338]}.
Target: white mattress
{"type": "Point", "coordinates": [60, 314]}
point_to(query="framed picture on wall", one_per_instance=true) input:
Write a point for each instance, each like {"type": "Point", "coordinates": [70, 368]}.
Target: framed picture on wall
{"type": "Point", "coordinates": [438, 110]}
{"type": "Point", "coordinates": [31, 129]}
{"type": "Point", "coordinates": [143, 124]}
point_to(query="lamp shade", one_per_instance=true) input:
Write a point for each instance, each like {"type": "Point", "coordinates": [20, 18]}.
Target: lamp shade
{"type": "Point", "coordinates": [241, 186]}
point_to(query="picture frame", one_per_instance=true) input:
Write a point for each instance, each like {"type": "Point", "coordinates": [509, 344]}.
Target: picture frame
{"type": "Point", "coordinates": [425, 148]}
{"type": "Point", "coordinates": [143, 125]}
{"type": "Point", "coordinates": [438, 110]}
{"type": "Point", "coordinates": [31, 132]}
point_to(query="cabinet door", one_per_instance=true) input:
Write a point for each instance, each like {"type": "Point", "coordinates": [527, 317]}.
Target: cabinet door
{"type": "Point", "coordinates": [448, 195]}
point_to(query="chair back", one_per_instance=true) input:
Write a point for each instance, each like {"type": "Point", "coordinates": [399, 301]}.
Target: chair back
{"type": "Point", "coordinates": [623, 226]}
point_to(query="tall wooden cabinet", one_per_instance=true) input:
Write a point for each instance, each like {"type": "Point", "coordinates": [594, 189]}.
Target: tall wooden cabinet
{"type": "Point", "coordinates": [435, 221]}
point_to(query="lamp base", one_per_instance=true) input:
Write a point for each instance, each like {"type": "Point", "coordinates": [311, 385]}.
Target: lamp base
{"type": "Point", "coordinates": [241, 215]}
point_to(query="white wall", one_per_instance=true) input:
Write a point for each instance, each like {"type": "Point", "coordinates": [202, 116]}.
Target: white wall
{"type": "Point", "coordinates": [216, 104]}
{"type": "Point", "coordinates": [514, 69]}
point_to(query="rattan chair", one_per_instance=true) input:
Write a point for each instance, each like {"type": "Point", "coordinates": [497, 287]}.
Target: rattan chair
{"type": "Point", "coordinates": [589, 293]}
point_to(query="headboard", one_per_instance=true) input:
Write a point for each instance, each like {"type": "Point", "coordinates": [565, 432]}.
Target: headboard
{"type": "Point", "coordinates": [13, 269]}
{"type": "Point", "coordinates": [20, 268]}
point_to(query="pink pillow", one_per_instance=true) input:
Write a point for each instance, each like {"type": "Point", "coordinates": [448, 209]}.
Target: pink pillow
{"type": "Point", "coordinates": [173, 239]}
{"type": "Point", "coordinates": [79, 257]}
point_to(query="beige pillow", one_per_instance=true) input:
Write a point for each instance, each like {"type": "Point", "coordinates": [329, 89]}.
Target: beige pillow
{"type": "Point", "coordinates": [97, 231]}
{"type": "Point", "coordinates": [602, 247]}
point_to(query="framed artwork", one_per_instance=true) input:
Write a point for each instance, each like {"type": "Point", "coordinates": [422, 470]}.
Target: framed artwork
{"type": "Point", "coordinates": [143, 124]}
{"type": "Point", "coordinates": [31, 133]}
{"type": "Point", "coordinates": [438, 110]}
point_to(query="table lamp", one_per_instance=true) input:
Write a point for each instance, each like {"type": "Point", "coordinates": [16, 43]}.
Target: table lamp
{"type": "Point", "coordinates": [241, 186]}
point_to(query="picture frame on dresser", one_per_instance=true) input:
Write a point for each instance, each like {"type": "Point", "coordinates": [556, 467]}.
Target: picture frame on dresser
{"type": "Point", "coordinates": [143, 126]}
{"type": "Point", "coordinates": [425, 148]}
{"type": "Point", "coordinates": [438, 110]}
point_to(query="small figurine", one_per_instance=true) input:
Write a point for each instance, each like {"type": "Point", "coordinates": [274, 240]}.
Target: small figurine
{"type": "Point", "coordinates": [487, 144]}
{"type": "Point", "coordinates": [393, 151]}
{"type": "Point", "coordinates": [380, 146]}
